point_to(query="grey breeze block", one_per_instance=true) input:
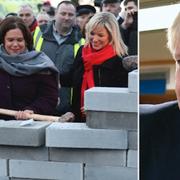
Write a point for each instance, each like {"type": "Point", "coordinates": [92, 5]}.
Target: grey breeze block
{"type": "Point", "coordinates": [110, 173]}
{"type": "Point", "coordinates": [3, 167]}
{"type": "Point", "coordinates": [110, 157]}
{"type": "Point", "coordinates": [79, 135]}
{"type": "Point", "coordinates": [111, 120]}
{"type": "Point", "coordinates": [45, 170]}
{"type": "Point", "coordinates": [133, 81]}
{"type": "Point", "coordinates": [11, 133]}
{"type": "Point", "coordinates": [110, 99]}
{"type": "Point", "coordinates": [24, 152]}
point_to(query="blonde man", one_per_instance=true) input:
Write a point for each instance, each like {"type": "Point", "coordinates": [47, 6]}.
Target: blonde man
{"type": "Point", "coordinates": [159, 132]}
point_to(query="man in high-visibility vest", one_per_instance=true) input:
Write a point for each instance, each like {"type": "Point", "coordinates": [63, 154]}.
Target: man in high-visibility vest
{"type": "Point", "coordinates": [60, 40]}
{"type": "Point", "coordinates": [26, 13]}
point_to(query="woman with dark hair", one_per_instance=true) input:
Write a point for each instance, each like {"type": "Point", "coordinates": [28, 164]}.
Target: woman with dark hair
{"type": "Point", "coordinates": [28, 78]}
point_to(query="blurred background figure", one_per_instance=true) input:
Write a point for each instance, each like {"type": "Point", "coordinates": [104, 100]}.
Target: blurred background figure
{"type": "Point", "coordinates": [112, 6]}
{"type": "Point", "coordinates": [129, 25]}
{"type": "Point", "coordinates": [1, 19]}
{"type": "Point", "coordinates": [51, 12]}
{"type": "Point", "coordinates": [42, 18]}
{"type": "Point", "coordinates": [83, 15]}
{"type": "Point", "coordinates": [46, 7]}
{"type": "Point", "coordinates": [26, 13]}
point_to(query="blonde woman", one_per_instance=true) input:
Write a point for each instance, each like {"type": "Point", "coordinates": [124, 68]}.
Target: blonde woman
{"type": "Point", "coordinates": [99, 61]}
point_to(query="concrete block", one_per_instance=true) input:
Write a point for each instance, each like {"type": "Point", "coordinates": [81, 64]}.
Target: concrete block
{"type": "Point", "coordinates": [12, 133]}
{"type": "Point", "coordinates": [78, 135]}
{"type": "Point", "coordinates": [111, 120]}
{"type": "Point", "coordinates": [133, 81]}
{"type": "Point", "coordinates": [4, 178]}
{"type": "Point", "coordinates": [90, 156]}
{"type": "Point", "coordinates": [132, 140]}
{"type": "Point", "coordinates": [26, 153]}
{"type": "Point", "coordinates": [110, 173]}
{"type": "Point", "coordinates": [26, 179]}
{"type": "Point", "coordinates": [3, 167]}
{"type": "Point", "coordinates": [110, 99]}
{"type": "Point", "coordinates": [132, 159]}
{"type": "Point", "coordinates": [45, 170]}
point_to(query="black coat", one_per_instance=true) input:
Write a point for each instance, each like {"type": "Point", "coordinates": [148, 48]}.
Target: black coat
{"type": "Point", "coordinates": [160, 141]}
{"type": "Point", "coordinates": [111, 73]}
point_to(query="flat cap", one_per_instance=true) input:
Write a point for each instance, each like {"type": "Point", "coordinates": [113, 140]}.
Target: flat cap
{"type": "Point", "coordinates": [110, 1]}
{"type": "Point", "coordinates": [85, 9]}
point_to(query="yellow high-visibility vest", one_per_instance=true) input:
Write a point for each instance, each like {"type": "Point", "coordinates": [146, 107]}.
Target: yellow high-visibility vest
{"type": "Point", "coordinates": [38, 41]}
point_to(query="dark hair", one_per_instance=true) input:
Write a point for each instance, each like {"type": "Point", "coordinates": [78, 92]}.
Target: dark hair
{"type": "Point", "coordinates": [126, 2]}
{"type": "Point", "coordinates": [110, 1]}
{"type": "Point", "coordinates": [66, 2]}
{"type": "Point", "coordinates": [13, 22]}
{"type": "Point", "coordinates": [51, 11]}
{"type": "Point", "coordinates": [11, 14]}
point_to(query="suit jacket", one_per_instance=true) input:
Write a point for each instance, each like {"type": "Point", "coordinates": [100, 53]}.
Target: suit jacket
{"type": "Point", "coordinates": [160, 141]}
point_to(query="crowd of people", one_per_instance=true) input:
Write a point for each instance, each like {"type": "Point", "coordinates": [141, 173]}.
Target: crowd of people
{"type": "Point", "coordinates": [48, 60]}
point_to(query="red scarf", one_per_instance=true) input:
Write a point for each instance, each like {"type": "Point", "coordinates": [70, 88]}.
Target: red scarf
{"type": "Point", "coordinates": [90, 58]}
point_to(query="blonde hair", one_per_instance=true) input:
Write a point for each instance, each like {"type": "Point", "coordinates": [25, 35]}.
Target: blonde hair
{"type": "Point", "coordinates": [107, 20]}
{"type": "Point", "coordinates": [173, 34]}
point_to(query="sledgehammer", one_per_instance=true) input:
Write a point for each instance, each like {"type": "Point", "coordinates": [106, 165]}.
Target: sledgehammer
{"type": "Point", "coordinates": [67, 117]}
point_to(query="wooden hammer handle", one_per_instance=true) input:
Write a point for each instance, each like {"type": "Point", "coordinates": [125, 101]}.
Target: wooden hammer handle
{"type": "Point", "coordinates": [38, 117]}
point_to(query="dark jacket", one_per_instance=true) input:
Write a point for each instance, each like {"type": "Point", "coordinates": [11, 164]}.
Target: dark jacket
{"type": "Point", "coordinates": [28, 81]}
{"type": "Point", "coordinates": [130, 36]}
{"type": "Point", "coordinates": [160, 141]}
{"type": "Point", "coordinates": [63, 57]}
{"type": "Point", "coordinates": [37, 92]}
{"type": "Point", "coordinates": [109, 74]}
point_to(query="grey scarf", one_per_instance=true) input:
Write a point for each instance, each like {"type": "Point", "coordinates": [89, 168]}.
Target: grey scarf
{"type": "Point", "coordinates": [27, 63]}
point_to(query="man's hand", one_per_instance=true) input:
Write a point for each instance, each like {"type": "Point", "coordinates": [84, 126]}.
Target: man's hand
{"type": "Point", "coordinates": [128, 18]}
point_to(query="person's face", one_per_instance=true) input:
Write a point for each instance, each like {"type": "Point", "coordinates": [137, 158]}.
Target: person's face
{"type": "Point", "coordinates": [65, 16]}
{"type": "Point", "coordinates": [99, 38]}
{"type": "Point", "coordinates": [27, 15]}
{"type": "Point", "coordinates": [131, 6]}
{"type": "Point", "coordinates": [114, 8]}
{"type": "Point", "coordinates": [14, 42]}
{"type": "Point", "coordinates": [83, 20]}
{"type": "Point", "coordinates": [177, 74]}
{"type": "Point", "coordinates": [46, 8]}
{"type": "Point", "coordinates": [42, 19]}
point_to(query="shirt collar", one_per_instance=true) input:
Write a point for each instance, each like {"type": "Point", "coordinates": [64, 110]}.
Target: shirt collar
{"type": "Point", "coordinates": [56, 32]}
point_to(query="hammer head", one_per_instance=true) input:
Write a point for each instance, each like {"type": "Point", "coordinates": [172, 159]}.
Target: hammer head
{"type": "Point", "coordinates": [67, 117]}
{"type": "Point", "coordinates": [130, 62]}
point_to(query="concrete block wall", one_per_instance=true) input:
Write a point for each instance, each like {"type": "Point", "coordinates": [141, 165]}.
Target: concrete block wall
{"type": "Point", "coordinates": [105, 147]}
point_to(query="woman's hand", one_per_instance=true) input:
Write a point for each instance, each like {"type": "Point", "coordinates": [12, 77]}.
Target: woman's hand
{"type": "Point", "coordinates": [22, 115]}
{"type": "Point", "coordinates": [83, 112]}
